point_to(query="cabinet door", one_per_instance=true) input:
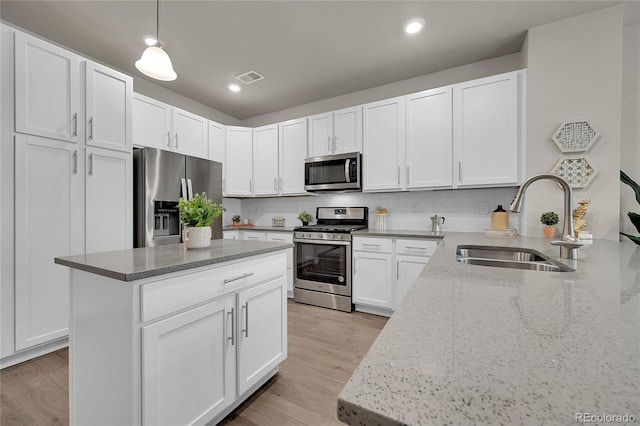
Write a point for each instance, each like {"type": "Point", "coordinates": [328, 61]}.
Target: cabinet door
{"type": "Point", "coordinates": [188, 365]}
{"type": "Point", "coordinates": [486, 130]}
{"type": "Point", "coordinates": [49, 223]}
{"type": "Point", "coordinates": [429, 139]}
{"type": "Point", "coordinates": [293, 151]}
{"type": "Point", "coordinates": [283, 237]}
{"type": "Point", "coordinates": [231, 235]}
{"type": "Point", "coordinates": [190, 134]}
{"type": "Point", "coordinates": [383, 145]}
{"type": "Point", "coordinates": [239, 164]}
{"type": "Point", "coordinates": [265, 160]}
{"type": "Point", "coordinates": [217, 148]}
{"type": "Point", "coordinates": [373, 279]}
{"type": "Point", "coordinates": [47, 89]}
{"type": "Point", "coordinates": [151, 123]}
{"type": "Point", "coordinates": [109, 100]}
{"type": "Point", "coordinates": [109, 200]}
{"type": "Point", "coordinates": [347, 129]}
{"type": "Point", "coordinates": [262, 331]}
{"type": "Point", "coordinates": [407, 270]}
{"type": "Point", "coordinates": [320, 138]}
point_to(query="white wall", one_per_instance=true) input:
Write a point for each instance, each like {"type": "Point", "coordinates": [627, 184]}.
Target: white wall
{"type": "Point", "coordinates": [438, 79]}
{"type": "Point", "coordinates": [574, 71]}
{"type": "Point", "coordinates": [630, 148]}
{"type": "Point", "coordinates": [407, 210]}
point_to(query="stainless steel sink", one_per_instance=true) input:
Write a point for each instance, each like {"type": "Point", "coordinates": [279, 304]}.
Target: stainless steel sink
{"type": "Point", "coordinates": [509, 257]}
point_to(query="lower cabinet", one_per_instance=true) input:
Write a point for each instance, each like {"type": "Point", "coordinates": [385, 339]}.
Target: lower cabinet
{"type": "Point", "coordinates": [372, 278]}
{"type": "Point", "coordinates": [407, 270]}
{"type": "Point", "coordinates": [285, 237]}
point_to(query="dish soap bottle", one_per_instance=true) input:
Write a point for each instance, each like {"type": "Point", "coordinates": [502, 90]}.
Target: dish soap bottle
{"type": "Point", "coordinates": [500, 218]}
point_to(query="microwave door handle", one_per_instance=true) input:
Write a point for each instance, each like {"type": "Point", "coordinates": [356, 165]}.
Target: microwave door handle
{"type": "Point", "coordinates": [189, 189]}
{"type": "Point", "coordinates": [346, 171]}
{"type": "Point", "coordinates": [184, 188]}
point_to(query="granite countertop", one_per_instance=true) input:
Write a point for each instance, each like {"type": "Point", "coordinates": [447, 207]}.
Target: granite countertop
{"type": "Point", "coordinates": [258, 228]}
{"type": "Point", "coordinates": [399, 233]}
{"type": "Point", "coordinates": [483, 345]}
{"type": "Point", "coordinates": [145, 262]}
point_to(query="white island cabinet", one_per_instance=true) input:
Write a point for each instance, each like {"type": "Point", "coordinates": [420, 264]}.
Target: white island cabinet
{"type": "Point", "coordinates": [172, 336]}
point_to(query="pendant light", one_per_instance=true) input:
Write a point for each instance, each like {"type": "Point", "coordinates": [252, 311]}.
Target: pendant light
{"type": "Point", "coordinates": [154, 61]}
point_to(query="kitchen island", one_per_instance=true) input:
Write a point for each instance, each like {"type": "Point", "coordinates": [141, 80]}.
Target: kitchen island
{"type": "Point", "coordinates": [167, 335]}
{"type": "Point", "coordinates": [486, 345]}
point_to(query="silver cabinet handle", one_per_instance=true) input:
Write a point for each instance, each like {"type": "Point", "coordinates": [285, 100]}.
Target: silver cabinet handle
{"type": "Point", "coordinates": [75, 162]}
{"type": "Point", "coordinates": [398, 175]}
{"type": "Point", "coordinates": [91, 128]}
{"type": "Point", "coordinates": [416, 248]}
{"type": "Point", "coordinates": [281, 185]}
{"type": "Point", "coordinates": [246, 319]}
{"type": "Point", "coordinates": [329, 143]}
{"type": "Point", "coordinates": [335, 143]}
{"type": "Point", "coordinates": [407, 175]}
{"type": "Point", "coordinates": [277, 239]}
{"type": "Point", "coordinates": [90, 164]}
{"type": "Point", "coordinates": [397, 270]}
{"type": "Point", "coordinates": [229, 280]}
{"type": "Point", "coordinates": [275, 184]}
{"type": "Point", "coordinates": [168, 139]}
{"type": "Point", "coordinates": [371, 245]}
{"type": "Point", "coordinates": [355, 265]}
{"type": "Point", "coordinates": [233, 331]}
{"type": "Point", "coordinates": [176, 140]}
{"type": "Point", "coordinates": [459, 171]}
{"type": "Point", "coordinates": [75, 124]}
{"type": "Point", "coordinates": [250, 185]}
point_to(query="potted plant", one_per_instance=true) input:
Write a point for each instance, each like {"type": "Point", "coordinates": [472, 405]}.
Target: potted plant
{"type": "Point", "coordinates": [549, 219]}
{"type": "Point", "coordinates": [305, 217]}
{"type": "Point", "coordinates": [236, 220]}
{"type": "Point", "coordinates": [634, 217]}
{"type": "Point", "coordinates": [196, 215]}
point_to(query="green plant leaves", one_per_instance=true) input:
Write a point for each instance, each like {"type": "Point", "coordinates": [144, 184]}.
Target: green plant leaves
{"type": "Point", "coordinates": [635, 217]}
{"type": "Point", "coordinates": [198, 211]}
{"type": "Point", "coordinates": [634, 238]}
{"type": "Point", "coordinates": [624, 178]}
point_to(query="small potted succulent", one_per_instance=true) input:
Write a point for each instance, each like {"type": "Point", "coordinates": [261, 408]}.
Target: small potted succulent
{"type": "Point", "coordinates": [196, 215]}
{"type": "Point", "coordinates": [305, 217]}
{"type": "Point", "coordinates": [549, 219]}
{"type": "Point", "coordinates": [236, 220]}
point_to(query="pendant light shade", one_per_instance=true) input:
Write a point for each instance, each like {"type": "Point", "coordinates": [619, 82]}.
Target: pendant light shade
{"type": "Point", "coordinates": [155, 62]}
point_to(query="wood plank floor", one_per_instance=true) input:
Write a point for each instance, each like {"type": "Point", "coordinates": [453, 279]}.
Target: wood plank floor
{"type": "Point", "coordinates": [325, 347]}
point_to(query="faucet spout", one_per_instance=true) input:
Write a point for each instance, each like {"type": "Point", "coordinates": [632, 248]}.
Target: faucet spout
{"type": "Point", "coordinates": [569, 251]}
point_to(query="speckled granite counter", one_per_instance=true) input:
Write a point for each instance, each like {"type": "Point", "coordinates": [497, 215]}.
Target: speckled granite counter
{"type": "Point", "coordinates": [398, 233]}
{"type": "Point", "coordinates": [135, 264]}
{"type": "Point", "coordinates": [483, 345]}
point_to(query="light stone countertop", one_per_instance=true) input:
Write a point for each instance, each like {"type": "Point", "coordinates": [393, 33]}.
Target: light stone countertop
{"type": "Point", "coordinates": [483, 345]}
{"type": "Point", "coordinates": [145, 262]}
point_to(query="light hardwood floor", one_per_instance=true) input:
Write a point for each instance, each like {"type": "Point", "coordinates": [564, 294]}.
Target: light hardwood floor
{"type": "Point", "coordinates": [325, 347]}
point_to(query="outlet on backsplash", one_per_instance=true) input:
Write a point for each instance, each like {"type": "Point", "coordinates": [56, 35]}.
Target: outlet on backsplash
{"type": "Point", "coordinates": [414, 207]}
{"type": "Point", "coordinates": [481, 207]}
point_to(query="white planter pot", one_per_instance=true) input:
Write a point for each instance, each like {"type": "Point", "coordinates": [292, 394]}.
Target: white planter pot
{"type": "Point", "coordinates": [197, 237]}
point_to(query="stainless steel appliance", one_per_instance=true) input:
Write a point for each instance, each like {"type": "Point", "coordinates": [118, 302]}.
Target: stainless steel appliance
{"type": "Point", "coordinates": [160, 179]}
{"type": "Point", "coordinates": [322, 257]}
{"type": "Point", "coordinates": [340, 172]}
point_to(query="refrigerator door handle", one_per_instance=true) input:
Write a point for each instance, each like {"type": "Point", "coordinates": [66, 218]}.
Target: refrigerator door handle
{"type": "Point", "coordinates": [189, 189]}
{"type": "Point", "coordinates": [184, 189]}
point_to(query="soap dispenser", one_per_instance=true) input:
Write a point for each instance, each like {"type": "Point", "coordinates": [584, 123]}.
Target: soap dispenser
{"type": "Point", "coordinates": [500, 218]}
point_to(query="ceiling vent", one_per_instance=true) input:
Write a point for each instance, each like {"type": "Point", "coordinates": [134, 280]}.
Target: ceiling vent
{"type": "Point", "coordinates": [250, 77]}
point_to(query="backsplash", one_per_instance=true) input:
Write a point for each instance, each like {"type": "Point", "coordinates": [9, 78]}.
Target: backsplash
{"type": "Point", "coordinates": [465, 210]}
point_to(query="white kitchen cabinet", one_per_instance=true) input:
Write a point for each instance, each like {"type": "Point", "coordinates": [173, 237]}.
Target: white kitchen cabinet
{"type": "Point", "coordinates": [407, 270]}
{"type": "Point", "coordinates": [485, 131]}
{"type": "Point", "coordinates": [293, 152]}
{"type": "Point", "coordinates": [108, 108]}
{"type": "Point", "coordinates": [47, 100]}
{"type": "Point", "coordinates": [429, 139]}
{"type": "Point", "coordinates": [231, 235]}
{"type": "Point", "coordinates": [49, 207]}
{"type": "Point", "coordinates": [265, 160]}
{"type": "Point", "coordinates": [254, 235]}
{"type": "Point", "coordinates": [109, 200]}
{"type": "Point", "coordinates": [239, 161]}
{"type": "Point", "coordinates": [285, 237]}
{"type": "Point", "coordinates": [372, 279]}
{"type": "Point", "coordinates": [182, 386]}
{"type": "Point", "coordinates": [335, 132]}
{"type": "Point", "coordinates": [151, 122]}
{"type": "Point", "coordinates": [217, 148]}
{"type": "Point", "coordinates": [383, 147]}
{"type": "Point", "coordinates": [190, 133]}
{"type": "Point", "coordinates": [262, 331]}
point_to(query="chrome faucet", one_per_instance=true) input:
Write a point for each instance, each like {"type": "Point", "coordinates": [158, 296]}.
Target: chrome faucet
{"type": "Point", "coordinates": [569, 244]}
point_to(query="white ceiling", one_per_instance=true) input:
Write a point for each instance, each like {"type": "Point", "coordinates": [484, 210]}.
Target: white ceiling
{"type": "Point", "coordinates": [307, 50]}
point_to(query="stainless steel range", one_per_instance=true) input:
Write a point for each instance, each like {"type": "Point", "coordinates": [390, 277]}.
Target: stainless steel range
{"type": "Point", "coordinates": [322, 257]}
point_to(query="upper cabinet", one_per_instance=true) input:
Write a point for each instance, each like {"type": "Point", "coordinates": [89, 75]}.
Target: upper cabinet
{"type": "Point", "coordinates": [108, 114]}
{"type": "Point", "coordinates": [486, 131]}
{"type": "Point", "coordinates": [384, 145]}
{"type": "Point", "coordinates": [189, 133]}
{"type": "Point", "coordinates": [265, 160]}
{"type": "Point", "coordinates": [336, 132]}
{"type": "Point", "coordinates": [217, 148]}
{"type": "Point", "coordinates": [239, 161]}
{"type": "Point", "coordinates": [46, 90]}
{"type": "Point", "coordinates": [293, 151]}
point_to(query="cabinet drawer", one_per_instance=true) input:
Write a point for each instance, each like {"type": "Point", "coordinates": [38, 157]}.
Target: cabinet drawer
{"type": "Point", "coordinates": [174, 294]}
{"type": "Point", "coordinates": [283, 237]}
{"type": "Point", "coordinates": [381, 245]}
{"type": "Point", "coordinates": [416, 247]}
{"type": "Point", "coordinates": [257, 236]}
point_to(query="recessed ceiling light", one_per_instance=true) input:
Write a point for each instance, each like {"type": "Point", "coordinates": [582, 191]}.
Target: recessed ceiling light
{"type": "Point", "coordinates": [234, 87]}
{"type": "Point", "coordinates": [414, 26]}
{"type": "Point", "coordinates": [150, 41]}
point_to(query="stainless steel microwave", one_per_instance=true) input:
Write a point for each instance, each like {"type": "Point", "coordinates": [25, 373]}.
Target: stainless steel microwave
{"type": "Point", "coordinates": [342, 172]}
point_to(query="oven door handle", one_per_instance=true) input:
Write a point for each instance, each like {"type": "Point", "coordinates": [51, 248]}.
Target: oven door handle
{"type": "Point", "coordinates": [327, 242]}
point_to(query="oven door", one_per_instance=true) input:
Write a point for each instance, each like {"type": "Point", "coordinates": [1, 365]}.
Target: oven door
{"type": "Point", "coordinates": [323, 266]}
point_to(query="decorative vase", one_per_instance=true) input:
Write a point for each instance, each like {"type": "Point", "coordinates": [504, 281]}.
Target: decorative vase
{"type": "Point", "coordinates": [305, 223]}
{"type": "Point", "coordinates": [197, 237]}
{"type": "Point", "coordinates": [236, 224]}
{"type": "Point", "coordinates": [549, 231]}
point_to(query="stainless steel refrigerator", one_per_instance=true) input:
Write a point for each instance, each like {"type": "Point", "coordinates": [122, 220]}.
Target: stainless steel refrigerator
{"type": "Point", "coordinates": [160, 179]}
